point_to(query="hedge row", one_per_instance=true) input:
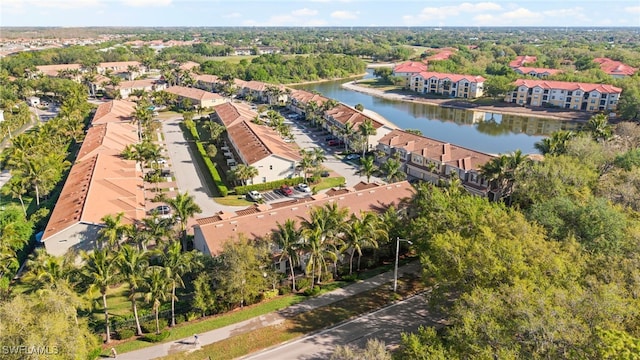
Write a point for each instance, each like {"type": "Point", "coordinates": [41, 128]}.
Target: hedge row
{"type": "Point", "coordinates": [241, 190]}
{"type": "Point", "coordinates": [222, 188]}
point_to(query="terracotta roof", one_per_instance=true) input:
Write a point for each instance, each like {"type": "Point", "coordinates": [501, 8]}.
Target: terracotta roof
{"type": "Point", "coordinates": [254, 224]}
{"type": "Point", "coordinates": [345, 114]}
{"type": "Point", "coordinates": [410, 67]}
{"type": "Point", "coordinates": [255, 142]}
{"type": "Point", "coordinates": [453, 77]}
{"type": "Point", "coordinates": [206, 78]}
{"type": "Point", "coordinates": [439, 151]}
{"type": "Point", "coordinates": [305, 97]}
{"type": "Point", "coordinates": [192, 93]}
{"type": "Point", "coordinates": [528, 70]}
{"type": "Point", "coordinates": [119, 64]}
{"type": "Point", "coordinates": [189, 65]}
{"type": "Point", "coordinates": [613, 67]}
{"type": "Point", "coordinates": [53, 70]}
{"type": "Point", "coordinates": [523, 59]}
{"type": "Point", "coordinates": [114, 111]}
{"type": "Point", "coordinates": [570, 86]}
{"type": "Point", "coordinates": [101, 79]}
{"type": "Point", "coordinates": [108, 138]}
{"type": "Point", "coordinates": [442, 54]}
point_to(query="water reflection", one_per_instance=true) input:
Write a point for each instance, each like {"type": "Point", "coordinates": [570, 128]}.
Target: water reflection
{"type": "Point", "coordinates": [483, 131]}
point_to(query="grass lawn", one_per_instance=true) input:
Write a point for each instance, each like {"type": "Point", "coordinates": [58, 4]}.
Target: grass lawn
{"type": "Point", "coordinates": [378, 84]}
{"type": "Point", "coordinates": [233, 200]}
{"type": "Point", "coordinates": [187, 329]}
{"type": "Point", "coordinates": [328, 182]}
{"type": "Point", "coordinates": [304, 323]}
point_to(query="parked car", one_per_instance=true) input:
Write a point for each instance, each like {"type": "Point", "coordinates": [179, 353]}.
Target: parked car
{"type": "Point", "coordinates": [162, 161]}
{"type": "Point", "coordinates": [303, 188]}
{"type": "Point", "coordinates": [254, 195]}
{"type": "Point", "coordinates": [324, 174]}
{"type": "Point", "coordinates": [286, 190]}
{"type": "Point", "coordinates": [352, 157]}
{"type": "Point", "coordinates": [161, 210]}
{"type": "Point", "coordinates": [329, 138]}
{"type": "Point", "coordinates": [335, 142]}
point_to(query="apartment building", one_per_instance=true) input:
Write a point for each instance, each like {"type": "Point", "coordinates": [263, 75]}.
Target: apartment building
{"type": "Point", "coordinates": [454, 85]}
{"type": "Point", "coordinates": [568, 95]}
{"type": "Point", "coordinates": [541, 73]}
{"type": "Point", "coordinates": [615, 68]}
{"type": "Point", "coordinates": [433, 160]}
{"type": "Point", "coordinates": [126, 88]}
{"type": "Point", "coordinates": [199, 98]}
{"type": "Point", "coordinates": [407, 69]}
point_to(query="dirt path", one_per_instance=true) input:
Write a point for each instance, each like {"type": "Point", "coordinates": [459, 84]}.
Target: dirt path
{"type": "Point", "coordinates": [501, 108]}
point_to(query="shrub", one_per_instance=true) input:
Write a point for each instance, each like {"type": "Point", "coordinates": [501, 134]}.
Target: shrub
{"type": "Point", "coordinates": [156, 337]}
{"type": "Point", "coordinates": [312, 291]}
{"type": "Point", "coordinates": [94, 354]}
{"type": "Point", "coordinates": [284, 290]}
{"type": "Point", "coordinates": [350, 278]}
{"type": "Point", "coordinates": [303, 283]}
{"type": "Point", "coordinates": [242, 190]}
{"type": "Point", "coordinates": [192, 315]}
{"type": "Point", "coordinates": [270, 294]}
{"type": "Point", "coordinates": [213, 171]}
{"type": "Point", "coordinates": [150, 326]}
{"type": "Point", "coordinates": [125, 333]}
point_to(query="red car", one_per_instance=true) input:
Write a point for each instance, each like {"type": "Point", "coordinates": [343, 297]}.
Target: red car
{"type": "Point", "coordinates": [286, 190]}
{"type": "Point", "coordinates": [336, 142]}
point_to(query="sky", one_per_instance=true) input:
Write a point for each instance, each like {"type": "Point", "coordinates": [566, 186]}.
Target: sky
{"type": "Point", "coordinates": [315, 13]}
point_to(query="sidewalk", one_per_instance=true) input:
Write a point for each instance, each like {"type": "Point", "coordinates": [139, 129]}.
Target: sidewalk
{"type": "Point", "coordinates": [188, 345]}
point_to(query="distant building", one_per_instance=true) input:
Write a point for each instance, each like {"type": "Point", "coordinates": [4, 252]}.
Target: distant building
{"type": "Point", "coordinates": [568, 95]}
{"type": "Point", "coordinates": [126, 88]}
{"type": "Point", "coordinates": [541, 73]}
{"type": "Point", "coordinates": [454, 85]}
{"type": "Point", "coordinates": [615, 68]}
{"type": "Point", "coordinates": [522, 60]}
{"type": "Point", "coordinates": [407, 69]}
{"type": "Point", "coordinates": [199, 98]}
{"type": "Point", "coordinates": [33, 101]}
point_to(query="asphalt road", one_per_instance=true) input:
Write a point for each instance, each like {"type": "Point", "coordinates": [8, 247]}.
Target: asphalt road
{"type": "Point", "coordinates": [385, 324]}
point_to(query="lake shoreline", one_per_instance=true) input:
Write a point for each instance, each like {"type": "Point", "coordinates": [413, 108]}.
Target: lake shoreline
{"type": "Point", "coordinates": [506, 109]}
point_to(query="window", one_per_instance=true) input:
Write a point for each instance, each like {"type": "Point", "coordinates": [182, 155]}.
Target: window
{"type": "Point", "coordinates": [264, 179]}
{"type": "Point", "coordinates": [570, 93]}
{"type": "Point", "coordinates": [270, 167]}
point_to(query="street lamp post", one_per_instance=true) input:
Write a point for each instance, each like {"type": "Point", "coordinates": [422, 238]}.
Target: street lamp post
{"type": "Point", "coordinates": [395, 271]}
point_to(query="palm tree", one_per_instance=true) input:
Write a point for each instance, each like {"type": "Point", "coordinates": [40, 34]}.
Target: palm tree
{"type": "Point", "coordinates": [363, 231]}
{"type": "Point", "coordinates": [132, 69]}
{"type": "Point", "coordinates": [347, 132]}
{"type": "Point", "coordinates": [318, 251]}
{"type": "Point", "coordinates": [154, 228]}
{"type": "Point", "coordinates": [16, 187]}
{"type": "Point", "coordinates": [245, 172]}
{"type": "Point", "coordinates": [287, 237]}
{"type": "Point", "coordinates": [133, 264]}
{"type": "Point", "coordinates": [599, 127]}
{"type": "Point", "coordinates": [366, 129]}
{"type": "Point", "coordinates": [48, 271]}
{"type": "Point", "coordinates": [176, 264]}
{"type": "Point", "coordinates": [367, 167]}
{"type": "Point", "coordinates": [306, 163]}
{"type": "Point", "coordinates": [156, 286]}
{"type": "Point", "coordinates": [113, 231]}
{"type": "Point", "coordinates": [392, 169]}
{"type": "Point", "coordinates": [215, 130]}
{"type": "Point", "coordinates": [501, 171]}
{"type": "Point", "coordinates": [321, 232]}
{"type": "Point", "coordinates": [100, 272]}
{"type": "Point", "coordinates": [556, 144]}
{"type": "Point", "coordinates": [184, 207]}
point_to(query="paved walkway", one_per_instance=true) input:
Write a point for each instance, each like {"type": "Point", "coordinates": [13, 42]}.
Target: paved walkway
{"type": "Point", "coordinates": [188, 345]}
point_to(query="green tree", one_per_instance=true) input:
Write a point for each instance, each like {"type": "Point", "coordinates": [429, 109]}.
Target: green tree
{"type": "Point", "coordinates": [204, 298]}
{"type": "Point", "coordinates": [184, 207]}
{"type": "Point", "coordinates": [367, 167]}
{"type": "Point", "coordinates": [392, 168]}
{"type": "Point", "coordinates": [496, 86]}
{"type": "Point", "coordinates": [113, 231]}
{"type": "Point", "coordinates": [363, 231]}
{"type": "Point", "coordinates": [176, 264]}
{"type": "Point", "coordinates": [288, 238]}
{"type": "Point", "coordinates": [99, 272]}
{"type": "Point", "coordinates": [156, 290]}
{"type": "Point", "coordinates": [366, 130]}
{"type": "Point", "coordinates": [133, 264]}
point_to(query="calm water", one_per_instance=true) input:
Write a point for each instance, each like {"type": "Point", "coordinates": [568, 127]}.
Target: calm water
{"type": "Point", "coordinates": [486, 132]}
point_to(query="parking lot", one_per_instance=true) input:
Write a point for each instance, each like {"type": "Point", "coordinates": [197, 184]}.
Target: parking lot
{"type": "Point", "coordinates": [276, 195]}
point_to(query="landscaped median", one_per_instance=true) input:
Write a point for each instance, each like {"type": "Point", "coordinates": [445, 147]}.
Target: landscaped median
{"type": "Point", "coordinates": [306, 322]}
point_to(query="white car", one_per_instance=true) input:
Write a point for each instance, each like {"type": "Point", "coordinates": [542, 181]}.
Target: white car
{"type": "Point", "coordinates": [254, 195]}
{"type": "Point", "coordinates": [162, 161]}
{"type": "Point", "coordinates": [304, 188]}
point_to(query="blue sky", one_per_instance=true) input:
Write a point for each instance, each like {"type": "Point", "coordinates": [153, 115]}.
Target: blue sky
{"type": "Point", "coordinates": [319, 13]}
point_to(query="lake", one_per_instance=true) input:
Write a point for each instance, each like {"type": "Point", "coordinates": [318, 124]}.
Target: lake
{"type": "Point", "coordinates": [486, 132]}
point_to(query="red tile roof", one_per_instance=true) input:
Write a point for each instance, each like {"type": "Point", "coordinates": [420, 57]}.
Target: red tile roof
{"type": "Point", "coordinates": [305, 97]}
{"type": "Point", "coordinates": [136, 84]}
{"type": "Point", "coordinates": [528, 70]}
{"type": "Point", "coordinates": [410, 67]}
{"type": "Point", "coordinates": [258, 222]}
{"type": "Point", "coordinates": [345, 114]}
{"type": "Point", "coordinates": [207, 78]}
{"type": "Point", "coordinates": [114, 111]}
{"type": "Point", "coordinates": [523, 59]}
{"type": "Point", "coordinates": [569, 86]}
{"type": "Point", "coordinates": [53, 70]}
{"type": "Point", "coordinates": [613, 67]}
{"type": "Point", "coordinates": [193, 93]}
{"type": "Point", "coordinates": [452, 77]}
{"type": "Point", "coordinates": [436, 150]}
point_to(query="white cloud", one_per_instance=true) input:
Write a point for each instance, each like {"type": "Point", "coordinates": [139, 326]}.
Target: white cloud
{"type": "Point", "coordinates": [632, 9]}
{"type": "Point", "coordinates": [521, 14]}
{"type": "Point", "coordinates": [450, 11]}
{"type": "Point", "coordinates": [344, 15]}
{"type": "Point", "coordinates": [304, 12]}
{"type": "Point", "coordinates": [233, 15]}
{"type": "Point", "coordinates": [56, 4]}
{"type": "Point", "coordinates": [144, 3]}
